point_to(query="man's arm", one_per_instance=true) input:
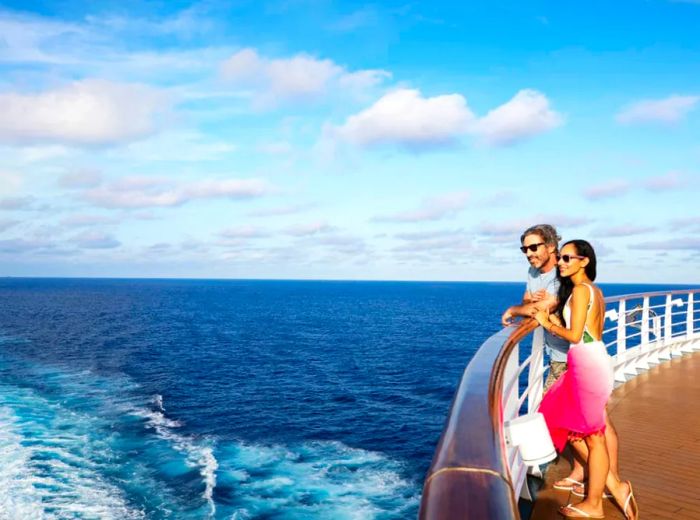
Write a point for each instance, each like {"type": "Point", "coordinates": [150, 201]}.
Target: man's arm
{"type": "Point", "coordinates": [540, 300]}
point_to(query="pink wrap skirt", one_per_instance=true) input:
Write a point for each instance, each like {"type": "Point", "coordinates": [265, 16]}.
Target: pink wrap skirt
{"type": "Point", "coordinates": [574, 406]}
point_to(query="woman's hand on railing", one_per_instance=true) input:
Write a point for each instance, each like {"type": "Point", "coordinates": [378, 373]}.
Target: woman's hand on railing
{"type": "Point", "coordinates": [542, 318]}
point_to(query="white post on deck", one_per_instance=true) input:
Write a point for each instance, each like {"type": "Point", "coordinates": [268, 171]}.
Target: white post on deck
{"type": "Point", "coordinates": [644, 340]}
{"type": "Point", "coordinates": [534, 377]}
{"type": "Point", "coordinates": [669, 342]}
{"type": "Point", "coordinates": [621, 345]}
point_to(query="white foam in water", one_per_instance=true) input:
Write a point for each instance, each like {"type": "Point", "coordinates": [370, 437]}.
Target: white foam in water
{"type": "Point", "coordinates": [197, 456]}
{"type": "Point", "coordinates": [56, 462]}
{"type": "Point", "coordinates": [40, 482]}
{"type": "Point", "coordinates": [316, 480]}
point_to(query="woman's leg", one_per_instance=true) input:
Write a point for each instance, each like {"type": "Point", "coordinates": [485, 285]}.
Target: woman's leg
{"type": "Point", "coordinates": [598, 471]}
{"type": "Point", "coordinates": [612, 442]}
{"type": "Point", "coordinates": [580, 453]}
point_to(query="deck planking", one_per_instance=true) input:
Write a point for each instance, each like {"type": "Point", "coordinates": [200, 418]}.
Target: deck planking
{"type": "Point", "coordinates": [657, 417]}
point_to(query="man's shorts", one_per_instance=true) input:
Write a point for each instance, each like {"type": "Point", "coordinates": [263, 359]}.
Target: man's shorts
{"type": "Point", "coordinates": [556, 369]}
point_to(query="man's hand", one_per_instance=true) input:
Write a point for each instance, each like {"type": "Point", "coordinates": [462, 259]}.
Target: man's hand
{"type": "Point", "coordinates": [538, 296]}
{"type": "Point", "coordinates": [507, 318]}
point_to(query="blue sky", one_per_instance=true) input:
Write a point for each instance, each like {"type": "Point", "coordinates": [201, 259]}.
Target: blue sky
{"type": "Point", "coordinates": [346, 140]}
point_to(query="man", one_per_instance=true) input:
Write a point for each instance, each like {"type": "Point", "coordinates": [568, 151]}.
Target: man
{"type": "Point", "coordinates": [540, 244]}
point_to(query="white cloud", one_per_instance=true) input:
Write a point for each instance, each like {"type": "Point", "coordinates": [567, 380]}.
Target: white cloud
{"type": "Point", "coordinates": [310, 228]}
{"type": "Point", "coordinates": [404, 117]}
{"type": "Point", "coordinates": [622, 230]}
{"type": "Point", "coordinates": [80, 179]}
{"type": "Point", "coordinates": [95, 240]}
{"type": "Point", "coordinates": [6, 224]}
{"type": "Point", "coordinates": [275, 148]}
{"type": "Point", "coordinates": [244, 232]}
{"type": "Point", "coordinates": [16, 202]}
{"type": "Point", "coordinates": [515, 227]}
{"type": "Point", "coordinates": [10, 182]}
{"type": "Point", "coordinates": [177, 146]}
{"type": "Point", "coordinates": [301, 77]}
{"type": "Point", "coordinates": [608, 189]}
{"type": "Point", "coordinates": [668, 181]}
{"type": "Point", "coordinates": [434, 208]}
{"type": "Point", "coordinates": [281, 210]}
{"type": "Point", "coordinates": [527, 114]}
{"type": "Point", "coordinates": [86, 113]}
{"type": "Point", "coordinates": [82, 220]}
{"type": "Point", "coordinates": [677, 244]}
{"type": "Point", "coordinates": [668, 110]}
{"type": "Point", "coordinates": [138, 192]}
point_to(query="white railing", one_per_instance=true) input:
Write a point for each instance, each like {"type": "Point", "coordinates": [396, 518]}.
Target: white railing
{"type": "Point", "coordinates": [645, 330]}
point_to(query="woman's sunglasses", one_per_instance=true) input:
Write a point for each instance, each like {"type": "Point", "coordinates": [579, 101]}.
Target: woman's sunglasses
{"type": "Point", "coordinates": [531, 247]}
{"type": "Point", "coordinates": [568, 258]}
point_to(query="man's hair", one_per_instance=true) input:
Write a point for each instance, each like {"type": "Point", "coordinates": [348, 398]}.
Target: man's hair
{"type": "Point", "coordinates": [545, 231]}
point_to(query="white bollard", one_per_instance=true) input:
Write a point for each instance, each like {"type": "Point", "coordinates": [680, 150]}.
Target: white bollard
{"type": "Point", "coordinates": [530, 434]}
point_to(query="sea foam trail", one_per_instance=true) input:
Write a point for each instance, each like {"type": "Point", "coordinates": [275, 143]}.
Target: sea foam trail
{"type": "Point", "coordinates": [52, 481]}
{"type": "Point", "coordinates": [197, 455]}
{"type": "Point", "coordinates": [314, 480]}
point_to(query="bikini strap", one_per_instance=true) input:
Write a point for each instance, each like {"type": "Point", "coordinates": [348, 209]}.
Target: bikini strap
{"type": "Point", "coordinates": [592, 299]}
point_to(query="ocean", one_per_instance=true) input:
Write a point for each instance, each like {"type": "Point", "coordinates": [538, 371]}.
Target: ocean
{"type": "Point", "coordinates": [235, 399]}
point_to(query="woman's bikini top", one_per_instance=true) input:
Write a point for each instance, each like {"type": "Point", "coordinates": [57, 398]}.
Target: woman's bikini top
{"type": "Point", "coordinates": [566, 312]}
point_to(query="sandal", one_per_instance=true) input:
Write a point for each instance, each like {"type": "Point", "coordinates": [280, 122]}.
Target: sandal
{"type": "Point", "coordinates": [577, 513]}
{"type": "Point", "coordinates": [631, 502]}
{"type": "Point", "coordinates": [567, 487]}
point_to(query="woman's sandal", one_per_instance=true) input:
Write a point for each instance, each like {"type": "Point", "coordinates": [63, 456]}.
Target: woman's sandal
{"type": "Point", "coordinates": [568, 487]}
{"type": "Point", "coordinates": [631, 502]}
{"type": "Point", "coordinates": [576, 512]}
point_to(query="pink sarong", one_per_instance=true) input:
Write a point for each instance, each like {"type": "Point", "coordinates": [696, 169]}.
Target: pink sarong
{"type": "Point", "coordinates": [574, 406]}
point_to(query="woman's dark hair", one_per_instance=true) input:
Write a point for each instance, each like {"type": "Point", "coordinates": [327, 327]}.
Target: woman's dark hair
{"type": "Point", "coordinates": [566, 286]}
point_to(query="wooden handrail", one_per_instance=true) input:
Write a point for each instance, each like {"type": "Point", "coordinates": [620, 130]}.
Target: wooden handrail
{"type": "Point", "coordinates": [469, 475]}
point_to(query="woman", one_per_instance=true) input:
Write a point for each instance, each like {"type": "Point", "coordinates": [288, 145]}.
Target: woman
{"type": "Point", "coordinates": [574, 407]}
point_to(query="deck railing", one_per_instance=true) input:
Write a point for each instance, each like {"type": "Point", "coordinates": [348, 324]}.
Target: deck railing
{"type": "Point", "coordinates": [476, 473]}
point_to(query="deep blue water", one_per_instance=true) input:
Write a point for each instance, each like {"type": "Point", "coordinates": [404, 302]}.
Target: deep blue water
{"type": "Point", "coordinates": [231, 399]}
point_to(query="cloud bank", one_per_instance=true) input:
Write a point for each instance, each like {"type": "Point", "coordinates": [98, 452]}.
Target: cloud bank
{"type": "Point", "coordinates": [408, 119]}
{"type": "Point", "coordinates": [89, 112]}
{"type": "Point", "coordinates": [668, 110]}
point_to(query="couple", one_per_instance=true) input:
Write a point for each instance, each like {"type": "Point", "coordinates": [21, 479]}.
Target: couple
{"type": "Point", "coordinates": [561, 296]}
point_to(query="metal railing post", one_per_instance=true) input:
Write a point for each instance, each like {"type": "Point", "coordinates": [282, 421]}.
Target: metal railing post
{"type": "Point", "coordinates": [644, 339]}
{"type": "Point", "coordinates": [621, 345]}
{"type": "Point", "coordinates": [534, 380]}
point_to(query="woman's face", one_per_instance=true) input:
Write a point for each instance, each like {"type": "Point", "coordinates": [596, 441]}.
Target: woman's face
{"type": "Point", "coordinates": [570, 262]}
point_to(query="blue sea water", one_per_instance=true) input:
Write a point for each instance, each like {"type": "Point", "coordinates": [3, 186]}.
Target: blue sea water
{"type": "Point", "coordinates": [191, 399]}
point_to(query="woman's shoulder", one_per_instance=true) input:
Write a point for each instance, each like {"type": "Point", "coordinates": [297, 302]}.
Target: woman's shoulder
{"type": "Point", "coordinates": [581, 292]}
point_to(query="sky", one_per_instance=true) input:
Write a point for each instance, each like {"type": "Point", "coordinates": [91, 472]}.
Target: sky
{"type": "Point", "coordinates": [318, 139]}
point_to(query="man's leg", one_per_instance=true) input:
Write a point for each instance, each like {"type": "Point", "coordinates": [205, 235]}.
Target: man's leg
{"type": "Point", "coordinates": [556, 369]}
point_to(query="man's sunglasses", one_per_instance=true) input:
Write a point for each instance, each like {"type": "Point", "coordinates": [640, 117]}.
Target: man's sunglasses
{"type": "Point", "coordinates": [532, 247]}
{"type": "Point", "coordinates": [568, 258]}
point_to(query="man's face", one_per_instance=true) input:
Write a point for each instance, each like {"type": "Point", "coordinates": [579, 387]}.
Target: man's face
{"type": "Point", "coordinates": [542, 253]}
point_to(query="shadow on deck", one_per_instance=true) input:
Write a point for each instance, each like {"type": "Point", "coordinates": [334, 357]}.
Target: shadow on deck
{"type": "Point", "coordinates": [657, 416]}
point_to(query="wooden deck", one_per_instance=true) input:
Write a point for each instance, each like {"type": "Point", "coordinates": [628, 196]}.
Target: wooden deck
{"type": "Point", "coordinates": [657, 416]}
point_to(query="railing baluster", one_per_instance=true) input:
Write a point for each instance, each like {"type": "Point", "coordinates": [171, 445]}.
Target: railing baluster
{"type": "Point", "coordinates": [621, 353]}
{"type": "Point", "coordinates": [534, 379]}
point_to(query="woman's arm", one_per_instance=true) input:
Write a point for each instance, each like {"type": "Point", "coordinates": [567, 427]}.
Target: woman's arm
{"type": "Point", "coordinates": [579, 311]}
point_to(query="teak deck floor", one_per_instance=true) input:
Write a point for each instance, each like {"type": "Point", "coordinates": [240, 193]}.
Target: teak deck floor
{"type": "Point", "coordinates": [657, 417]}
